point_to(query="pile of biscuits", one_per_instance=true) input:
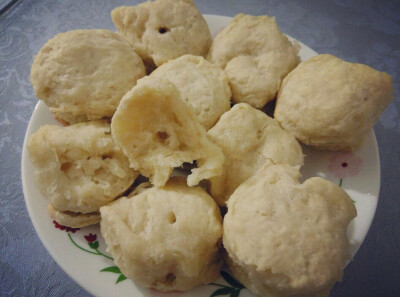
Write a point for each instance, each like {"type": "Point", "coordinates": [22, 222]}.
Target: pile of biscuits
{"type": "Point", "coordinates": [160, 94]}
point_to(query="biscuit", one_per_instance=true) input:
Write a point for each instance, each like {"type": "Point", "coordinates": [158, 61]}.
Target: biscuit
{"type": "Point", "coordinates": [83, 74]}
{"type": "Point", "coordinates": [256, 55]}
{"type": "Point", "coordinates": [303, 248]}
{"type": "Point", "coordinates": [79, 168]}
{"type": "Point", "coordinates": [165, 238]}
{"type": "Point", "coordinates": [74, 219]}
{"type": "Point", "coordinates": [164, 29]}
{"type": "Point", "coordinates": [328, 103]}
{"type": "Point", "coordinates": [157, 131]}
{"type": "Point", "coordinates": [202, 84]}
{"type": "Point", "coordinates": [249, 139]}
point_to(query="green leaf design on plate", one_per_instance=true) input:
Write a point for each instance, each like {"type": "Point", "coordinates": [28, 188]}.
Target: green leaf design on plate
{"type": "Point", "coordinates": [113, 269]}
{"type": "Point", "coordinates": [230, 280]}
{"type": "Point", "coordinates": [235, 293]}
{"type": "Point", "coordinates": [120, 278]}
{"type": "Point", "coordinates": [94, 245]}
{"type": "Point", "coordinates": [222, 291]}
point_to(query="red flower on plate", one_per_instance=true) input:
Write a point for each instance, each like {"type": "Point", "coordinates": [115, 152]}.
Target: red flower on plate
{"type": "Point", "coordinates": [91, 237]}
{"type": "Point", "coordinates": [343, 164]}
{"type": "Point", "coordinates": [64, 228]}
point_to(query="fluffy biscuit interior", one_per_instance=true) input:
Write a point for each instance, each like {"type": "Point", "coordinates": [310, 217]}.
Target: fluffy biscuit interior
{"type": "Point", "coordinates": [158, 131]}
{"type": "Point", "coordinates": [79, 168]}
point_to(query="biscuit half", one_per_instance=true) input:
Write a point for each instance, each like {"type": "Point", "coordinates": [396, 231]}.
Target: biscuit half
{"type": "Point", "coordinates": [158, 131]}
{"type": "Point", "coordinates": [74, 219]}
{"type": "Point", "coordinates": [79, 168]}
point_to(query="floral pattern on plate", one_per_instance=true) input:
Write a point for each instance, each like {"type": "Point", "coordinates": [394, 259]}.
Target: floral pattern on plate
{"type": "Point", "coordinates": [94, 245]}
{"type": "Point", "coordinates": [344, 164]}
{"type": "Point", "coordinates": [232, 289]}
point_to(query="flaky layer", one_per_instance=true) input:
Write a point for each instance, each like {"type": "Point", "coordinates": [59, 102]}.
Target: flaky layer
{"type": "Point", "coordinates": [74, 219]}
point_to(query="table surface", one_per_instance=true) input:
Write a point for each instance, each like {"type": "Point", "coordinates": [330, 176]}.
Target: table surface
{"type": "Point", "coordinates": [367, 32]}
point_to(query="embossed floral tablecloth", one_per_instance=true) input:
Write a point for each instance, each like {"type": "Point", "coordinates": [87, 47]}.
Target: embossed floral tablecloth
{"type": "Point", "coordinates": [359, 31]}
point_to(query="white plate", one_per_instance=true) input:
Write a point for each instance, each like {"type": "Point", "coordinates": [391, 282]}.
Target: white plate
{"type": "Point", "coordinates": [357, 172]}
